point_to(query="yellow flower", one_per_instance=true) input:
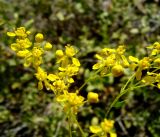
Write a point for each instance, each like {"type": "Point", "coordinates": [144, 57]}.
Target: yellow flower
{"type": "Point", "coordinates": [105, 128]}
{"type": "Point", "coordinates": [71, 101]}
{"type": "Point", "coordinates": [23, 53]}
{"type": "Point", "coordinates": [140, 64]}
{"type": "Point", "coordinates": [37, 52]}
{"type": "Point", "coordinates": [48, 46]}
{"type": "Point", "coordinates": [121, 49]}
{"type": "Point", "coordinates": [59, 53]}
{"type": "Point", "coordinates": [41, 75]}
{"type": "Point", "coordinates": [59, 86]}
{"type": "Point", "coordinates": [117, 70]}
{"type": "Point", "coordinates": [108, 58]}
{"type": "Point", "coordinates": [107, 125]}
{"type": "Point", "coordinates": [70, 51]}
{"type": "Point", "coordinates": [20, 32]}
{"type": "Point", "coordinates": [69, 70]}
{"type": "Point", "coordinates": [39, 37]}
{"type": "Point", "coordinates": [21, 44]}
{"type": "Point", "coordinates": [92, 97]}
{"type": "Point", "coordinates": [155, 48]}
{"type": "Point", "coordinates": [157, 61]}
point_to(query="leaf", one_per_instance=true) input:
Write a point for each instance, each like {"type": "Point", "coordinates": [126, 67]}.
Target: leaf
{"type": "Point", "coordinates": [119, 104]}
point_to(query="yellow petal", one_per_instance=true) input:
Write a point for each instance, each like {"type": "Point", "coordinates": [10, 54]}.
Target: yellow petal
{"type": "Point", "coordinates": [70, 80]}
{"type": "Point", "coordinates": [98, 57]}
{"type": "Point", "coordinates": [14, 46]}
{"type": "Point", "coordinates": [125, 61]}
{"type": "Point", "coordinates": [134, 59]}
{"type": "Point", "coordinates": [113, 134]}
{"type": "Point", "coordinates": [154, 52]}
{"type": "Point", "coordinates": [52, 77]}
{"type": "Point", "coordinates": [95, 129]}
{"type": "Point", "coordinates": [76, 62]}
{"type": "Point", "coordinates": [11, 34]}
{"type": "Point", "coordinates": [61, 98]}
{"type": "Point", "coordinates": [97, 66]}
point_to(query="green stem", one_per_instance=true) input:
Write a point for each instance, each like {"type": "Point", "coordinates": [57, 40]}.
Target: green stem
{"type": "Point", "coordinates": [94, 135]}
{"type": "Point", "coordinates": [122, 92]}
{"type": "Point", "coordinates": [81, 130]}
{"type": "Point", "coordinates": [69, 121]}
{"type": "Point", "coordinates": [89, 80]}
{"type": "Point", "coordinates": [130, 79]}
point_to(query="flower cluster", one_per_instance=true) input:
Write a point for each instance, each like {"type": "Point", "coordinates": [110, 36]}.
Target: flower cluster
{"type": "Point", "coordinates": [111, 60]}
{"type": "Point", "coordinates": [59, 82]}
{"type": "Point", "coordinates": [104, 129]}
{"type": "Point", "coordinates": [24, 48]}
{"type": "Point", "coordinates": [114, 61]}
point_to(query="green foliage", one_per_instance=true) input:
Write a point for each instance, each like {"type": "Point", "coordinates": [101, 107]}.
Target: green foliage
{"type": "Point", "coordinates": [89, 25]}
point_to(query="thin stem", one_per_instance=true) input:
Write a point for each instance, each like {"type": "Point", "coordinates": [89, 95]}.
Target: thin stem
{"type": "Point", "coordinates": [130, 79]}
{"type": "Point", "coordinates": [115, 100]}
{"type": "Point", "coordinates": [69, 121]}
{"type": "Point", "coordinates": [89, 79]}
{"type": "Point", "coordinates": [80, 128]}
{"type": "Point", "coordinates": [122, 92]}
{"type": "Point", "coordinates": [94, 135]}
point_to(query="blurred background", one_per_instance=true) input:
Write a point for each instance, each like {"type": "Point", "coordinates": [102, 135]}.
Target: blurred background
{"type": "Point", "coordinates": [89, 25]}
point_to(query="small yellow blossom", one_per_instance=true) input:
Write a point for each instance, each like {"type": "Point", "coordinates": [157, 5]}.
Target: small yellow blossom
{"type": "Point", "coordinates": [59, 53]}
{"type": "Point", "coordinates": [92, 97]}
{"type": "Point", "coordinates": [37, 52]}
{"type": "Point", "coordinates": [20, 32]}
{"type": "Point", "coordinates": [70, 51]}
{"type": "Point", "coordinates": [41, 75]}
{"type": "Point", "coordinates": [157, 61]}
{"type": "Point", "coordinates": [71, 101]}
{"type": "Point", "coordinates": [105, 128]}
{"type": "Point", "coordinates": [107, 125]}
{"type": "Point", "coordinates": [111, 60]}
{"type": "Point", "coordinates": [23, 53]}
{"type": "Point", "coordinates": [48, 46]}
{"type": "Point", "coordinates": [140, 65]}
{"type": "Point", "coordinates": [155, 49]}
{"type": "Point", "coordinates": [39, 37]}
{"type": "Point", "coordinates": [121, 49]}
{"type": "Point", "coordinates": [117, 70]}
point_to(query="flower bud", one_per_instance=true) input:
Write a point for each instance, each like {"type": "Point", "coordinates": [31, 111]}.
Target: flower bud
{"type": "Point", "coordinates": [39, 37]}
{"type": "Point", "coordinates": [157, 61]}
{"type": "Point", "coordinates": [117, 70]}
{"type": "Point", "coordinates": [59, 53]}
{"type": "Point", "coordinates": [47, 46]}
{"type": "Point", "coordinates": [92, 97]}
